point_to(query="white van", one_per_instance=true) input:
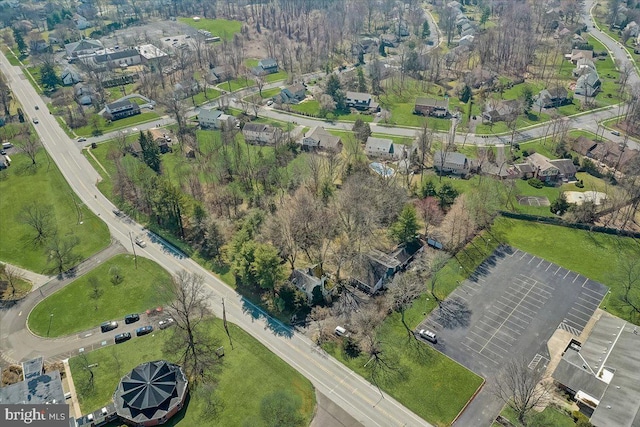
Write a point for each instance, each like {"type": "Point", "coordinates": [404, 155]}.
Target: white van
{"type": "Point", "coordinates": [7, 145]}
{"type": "Point", "coordinates": [340, 331]}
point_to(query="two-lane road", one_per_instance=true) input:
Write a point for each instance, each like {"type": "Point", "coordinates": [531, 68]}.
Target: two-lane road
{"type": "Point", "coordinates": [347, 389]}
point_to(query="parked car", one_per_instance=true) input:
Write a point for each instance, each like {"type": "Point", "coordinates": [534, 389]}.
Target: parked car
{"type": "Point", "coordinates": [3, 152]}
{"type": "Point", "coordinates": [165, 323]}
{"type": "Point", "coordinates": [140, 242]}
{"type": "Point", "coordinates": [131, 318]}
{"type": "Point", "coordinates": [428, 335]}
{"type": "Point", "coordinates": [81, 139]}
{"type": "Point", "coordinates": [144, 330]}
{"type": "Point", "coordinates": [122, 337]}
{"type": "Point", "coordinates": [35, 120]}
{"type": "Point", "coordinates": [108, 326]}
{"type": "Point", "coordinates": [340, 331]}
{"type": "Point", "coordinates": [615, 132]}
{"type": "Point", "coordinates": [270, 102]}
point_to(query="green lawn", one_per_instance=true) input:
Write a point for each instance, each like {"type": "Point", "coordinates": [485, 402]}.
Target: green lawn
{"type": "Point", "coordinates": [75, 308]}
{"type": "Point", "coordinates": [594, 255]}
{"type": "Point", "coordinates": [23, 184]}
{"type": "Point", "coordinates": [105, 126]}
{"type": "Point", "coordinates": [202, 98]}
{"type": "Point", "coordinates": [312, 107]}
{"type": "Point", "coordinates": [401, 103]}
{"type": "Point", "coordinates": [551, 417]}
{"type": "Point", "coordinates": [270, 93]}
{"type": "Point", "coordinates": [275, 77]}
{"type": "Point", "coordinates": [608, 73]}
{"type": "Point", "coordinates": [223, 28]}
{"type": "Point", "coordinates": [237, 84]}
{"type": "Point", "coordinates": [248, 373]}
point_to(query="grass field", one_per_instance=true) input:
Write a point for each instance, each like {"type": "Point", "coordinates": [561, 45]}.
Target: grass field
{"type": "Point", "coordinates": [223, 28]}
{"type": "Point", "coordinates": [551, 417]}
{"type": "Point", "coordinates": [202, 98]}
{"type": "Point", "coordinates": [237, 84]}
{"type": "Point", "coordinates": [594, 255]}
{"type": "Point", "coordinates": [248, 373]}
{"type": "Point", "coordinates": [312, 108]}
{"type": "Point", "coordinates": [75, 307]}
{"type": "Point", "coordinates": [105, 126]}
{"type": "Point", "coordinates": [23, 184]}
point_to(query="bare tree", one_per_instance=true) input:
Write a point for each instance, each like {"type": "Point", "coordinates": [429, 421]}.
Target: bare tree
{"type": "Point", "coordinates": [630, 280]}
{"type": "Point", "coordinates": [521, 388]}
{"type": "Point", "coordinates": [11, 276]}
{"type": "Point", "coordinates": [61, 252]}
{"type": "Point", "coordinates": [191, 342]}
{"type": "Point", "coordinates": [404, 290]}
{"type": "Point", "coordinates": [41, 218]}
{"type": "Point", "coordinates": [30, 145]}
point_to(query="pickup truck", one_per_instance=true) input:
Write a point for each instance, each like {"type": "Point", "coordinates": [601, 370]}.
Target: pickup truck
{"type": "Point", "coordinates": [140, 242]}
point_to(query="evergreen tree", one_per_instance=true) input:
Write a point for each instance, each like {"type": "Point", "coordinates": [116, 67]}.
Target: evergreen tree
{"type": "Point", "coordinates": [22, 46]}
{"type": "Point", "coordinates": [404, 230]}
{"type": "Point", "coordinates": [527, 96]}
{"type": "Point", "coordinates": [381, 50]}
{"type": "Point", "coordinates": [426, 31]}
{"type": "Point", "coordinates": [362, 82]}
{"type": "Point", "coordinates": [150, 151]}
{"type": "Point", "coordinates": [465, 94]}
{"type": "Point", "coordinates": [447, 195]}
{"type": "Point", "coordinates": [48, 77]}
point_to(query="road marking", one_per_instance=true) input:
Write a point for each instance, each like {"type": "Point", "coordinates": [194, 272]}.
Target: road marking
{"type": "Point", "coordinates": [20, 314]}
{"type": "Point", "coordinates": [541, 261]}
{"type": "Point", "coordinates": [557, 270]}
{"type": "Point", "coordinates": [585, 282]}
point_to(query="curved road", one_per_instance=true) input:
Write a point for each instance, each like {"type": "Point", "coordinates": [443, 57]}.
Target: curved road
{"type": "Point", "coordinates": [344, 387]}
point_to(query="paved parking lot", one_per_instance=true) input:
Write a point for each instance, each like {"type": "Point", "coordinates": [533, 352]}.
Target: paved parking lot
{"type": "Point", "coordinates": [509, 308]}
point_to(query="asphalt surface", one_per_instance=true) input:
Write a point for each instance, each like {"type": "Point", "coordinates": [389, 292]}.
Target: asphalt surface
{"type": "Point", "coordinates": [508, 309]}
{"type": "Point", "coordinates": [341, 385]}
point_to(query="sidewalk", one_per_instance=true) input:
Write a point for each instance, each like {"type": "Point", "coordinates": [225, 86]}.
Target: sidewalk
{"type": "Point", "coordinates": [36, 279]}
{"type": "Point", "coordinates": [75, 406]}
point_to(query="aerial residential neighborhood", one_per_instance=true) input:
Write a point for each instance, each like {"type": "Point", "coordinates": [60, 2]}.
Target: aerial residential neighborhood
{"type": "Point", "coordinates": [317, 213]}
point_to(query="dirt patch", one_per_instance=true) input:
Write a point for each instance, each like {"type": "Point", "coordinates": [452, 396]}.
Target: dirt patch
{"type": "Point", "coordinates": [579, 198]}
{"type": "Point", "coordinates": [533, 201]}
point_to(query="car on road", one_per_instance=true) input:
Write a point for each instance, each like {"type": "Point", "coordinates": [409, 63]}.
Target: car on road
{"type": "Point", "coordinates": [428, 335]}
{"type": "Point", "coordinates": [3, 152]}
{"type": "Point", "coordinates": [37, 108]}
{"type": "Point", "coordinates": [82, 139]}
{"type": "Point", "coordinates": [144, 330]}
{"type": "Point", "coordinates": [131, 318]}
{"type": "Point", "coordinates": [35, 120]}
{"type": "Point", "coordinates": [140, 242]}
{"type": "Point", "coordinates": [125, 336]}
{"type": "Point", "coordinates": [615, 132]}
{"type": "Point", "coordinates": [165, 323]}
{"type": "Point", "coordinates": [270, 102]}
{"type": "Point", "coordinates": [117, 212]}
{"type": "Point", "coordinates": [108, 326]}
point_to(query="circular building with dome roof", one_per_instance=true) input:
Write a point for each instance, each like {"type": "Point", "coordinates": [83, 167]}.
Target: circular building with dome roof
{"type": "Point", "coordinates": [151, 393]}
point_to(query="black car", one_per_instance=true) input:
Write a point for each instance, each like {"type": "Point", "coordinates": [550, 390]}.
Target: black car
{"type": "Point", "coordinates": [122, 337]}
{"type": "Point", "coordinates": [108, 326]}
{"type": "Point", "coordinates": [144, 330]}
{"type": "Point", "coordinates": [131, 318]}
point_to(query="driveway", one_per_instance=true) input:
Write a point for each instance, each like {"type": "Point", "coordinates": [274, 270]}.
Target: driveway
{"type": "Point", "coordinates": [508, 309]}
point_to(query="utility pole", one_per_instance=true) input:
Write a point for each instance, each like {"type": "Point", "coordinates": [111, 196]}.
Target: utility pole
{"type": "Point", "coordinates": [133, 246]}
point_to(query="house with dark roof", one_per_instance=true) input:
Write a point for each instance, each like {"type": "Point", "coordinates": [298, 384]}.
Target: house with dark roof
{"type": "Point", "coordinates": [69, 77]}
{"type": "Point", "coordinates": [372, 270]}
{"type": "Point", "coordinates": [211, 118]}
{"type": "Point", "coordinates": [432, 107]}
{"type": "Point", "coordinates": [451, 162]}
{"type": "Point", "coordinates": [381, 148]}
{"type": "Point", "coordinates": [38, 45]}
{"type": "Point", "coordinates": [539, 166]}
{"type": "Point", "coordinates": [612, 155]}
{"type": "Point", "coordinates": [479, 77]}
{"type": "Point", "coordinates": [265, 66]}
{"type": "Point", "coordinates": [320, 139]}
{"type": "Point", "coordinates": [583, 66]}
{"type": "Point", "coordinates": [588, 84]}
{"type": "Point", "coordinates": [221, 73]}
{"type": "Point", "coordinates": [577, 54]}
{"type": "Point", "coordinates": [603, 374]}
{"type": "Point", "coordinates": [37, 387]}
{"type": "Point", "coordinates": [293, 94]}
{"type": "Point", "coordinates": [583, 146]}
{"type": "Point", "coordinates": [361, 101]}
{"type": "Point", "coordinates": [552, 98]}
{"type": "Point", "coordinates": [261, 134]}
{"type": "Point", "coordinates": [121, 109]}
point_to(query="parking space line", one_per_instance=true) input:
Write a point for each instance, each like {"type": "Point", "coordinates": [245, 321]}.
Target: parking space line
{"type": "Point", "coordinates": [548, 267]}
{"type": "Point", "coordinates": [523, 327]}
{"type": "Point", "coordinates": [586, 313]}
{"type": "Point", "coordinates": [484, 339]}
{"type": "Point", "coordinates": [493, 361]}
{"type": "Point", "coordinates": [590, 307]}
{"type": "Point", "coordinates": [598, 294]}
{"type": "Point", "coordinates": [524, 254]}
{"type": "Point", "coordinates": [585, 282]}
{"type": "Point", "coordinates": [474, 342]}
{"type": "Point", "coordinates": [567, 321]}
{"type": "Point", "coordinates": [559, 268]}
{"type": "Point", "coordinates": [574, 280]}
{"type": "Point", "coordinates": [580, 318]}
{"type": "Point", "coordinates": [596, 300]}
{"type": "Point", "coordinates": [532, 258]}
{"type": "Point", "coordinates": [565, 276]}
{"type": "Point", "coordinates": [491, 326]}
{"type": "Point", "coordinates": [541, 261]}
{"type": "Point", "coordinates": [491, 351]}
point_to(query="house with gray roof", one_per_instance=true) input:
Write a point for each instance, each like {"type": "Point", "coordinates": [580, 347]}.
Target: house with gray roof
{"type": "Point", "coordinates": [361, 101]}
{"type": "Point", "coordinates": [69, 77]}
{"type": "Point", "coordinates": [265, 66]}
{"type": "Point", "coordinates": [320, 139]}
{"type": "Point", "coordinates": [293, 94]}
{"type": "Point", "coordinates": [117, 58]}
{"type": "Point", "coordinates": [451, 162]}
{"type": "Point", "coordinates": [307, 281]}
{"type": "Point", "coordinates": [261, 134]}
{"type": "Point", "coordinates": [381, 148]}
{"type": "Point", "coordinates": [583, 66]}
{"type": "Point", "coordinates": [83, 47]}
{"type": "Point", "coordinates": [212, 118]}
{"type": "Point", "coordinates": [432, 107]}
{"type": "Point", "coordinates": [37, 388]}
{"type": "Point", "coordinates": [588, 84]}
{"type": "Point", "coordinates": [501, 110]}
{"type": "Point", "coordinates": [552, 98]}
{"type": "Point", "coordinates": [603, 374]}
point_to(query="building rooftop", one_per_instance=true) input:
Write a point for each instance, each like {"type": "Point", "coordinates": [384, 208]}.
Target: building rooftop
{"type": "Point", "coordinates": [607, 368]}
{"type": "Point", "coordinates": [432, 102]}
{"type": "Point", "coordinates": [120, 104]}
{"type": "Point", "coordinates": [379, 144]}
{"type": "Point", "coordinates": [149, 51]}
{"type": "Point", "coordinates": [39, 389]}
{"type": "Point", "coordinates": [33, 368]}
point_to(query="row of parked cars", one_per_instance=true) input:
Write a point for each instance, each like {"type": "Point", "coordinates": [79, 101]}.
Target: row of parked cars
{"type": "Point", "coordinates": [132, 318]}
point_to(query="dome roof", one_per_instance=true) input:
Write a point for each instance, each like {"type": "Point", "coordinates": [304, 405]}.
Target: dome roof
{"type": "Point", "coordinates": [150, 391]}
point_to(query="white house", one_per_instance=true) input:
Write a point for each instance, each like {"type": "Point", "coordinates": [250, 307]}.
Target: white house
{"type": "Point", "coordinates": [382, 148]}
{"type": "Point", "coordinates": [259, 133]}
{"type": "Point", "coordinates": [209, 117]}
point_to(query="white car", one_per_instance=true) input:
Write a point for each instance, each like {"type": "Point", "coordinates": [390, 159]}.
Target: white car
{"type": "Point", "coordinates": [165, 323]}
{"type": "Point", "coordinates": [428, 335]}
{"type": "Point", "coordinates": [140, 242]}
{"type": "Point", "coordinates": [270, 102]}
